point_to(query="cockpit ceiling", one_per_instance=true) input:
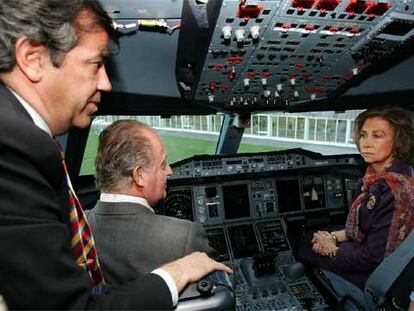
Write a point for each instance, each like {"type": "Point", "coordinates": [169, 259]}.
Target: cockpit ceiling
{"type": "Point", "coordinates": [293, 55]}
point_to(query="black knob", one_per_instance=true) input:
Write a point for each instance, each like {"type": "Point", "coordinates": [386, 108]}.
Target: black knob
{"type": "Point", "coordinates": [204, 287]}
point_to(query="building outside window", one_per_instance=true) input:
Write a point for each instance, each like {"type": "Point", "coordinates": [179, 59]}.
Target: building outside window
{"type": "Point", "coordinates": [263, 134]}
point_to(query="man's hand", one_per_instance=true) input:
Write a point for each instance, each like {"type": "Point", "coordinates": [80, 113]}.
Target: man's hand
{"type": "Point", "coordinates": [192, 268]}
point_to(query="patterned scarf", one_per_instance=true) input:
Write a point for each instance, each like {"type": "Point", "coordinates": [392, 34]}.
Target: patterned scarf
{"type": "Point", "coordinates": [402, 188]}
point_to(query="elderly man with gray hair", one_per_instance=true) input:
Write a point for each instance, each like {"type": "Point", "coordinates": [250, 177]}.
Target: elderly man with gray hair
{"type": "Point", "coordinates": [131, 172]}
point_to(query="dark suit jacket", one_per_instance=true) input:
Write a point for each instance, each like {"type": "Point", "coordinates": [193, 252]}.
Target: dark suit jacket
{"type": "Point", "coordinates": [37, 270]}
{"type": "Point", "coordinates": [133, 241]}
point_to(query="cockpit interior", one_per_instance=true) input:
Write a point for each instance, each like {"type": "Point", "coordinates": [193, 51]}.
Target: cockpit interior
{"type": "Point", "coordinates": [248, 61]}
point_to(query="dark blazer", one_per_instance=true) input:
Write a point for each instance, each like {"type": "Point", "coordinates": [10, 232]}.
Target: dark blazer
{"type": "Point", "coordinates": [37, 270]}
{"type": "Point", "coordinates": [132, 240]}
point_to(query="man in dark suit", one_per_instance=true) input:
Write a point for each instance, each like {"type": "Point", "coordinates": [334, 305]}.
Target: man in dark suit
{"type": "Point", "coordinates": [131, 172]}
{"type": "Point", "coordinates": [51, 74]}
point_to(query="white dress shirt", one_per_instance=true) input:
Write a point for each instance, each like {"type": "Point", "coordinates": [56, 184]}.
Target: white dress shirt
{"type": "Point", "coordinates": [37, 119]}
{"type": "Point", "coordinates": [120, 198]}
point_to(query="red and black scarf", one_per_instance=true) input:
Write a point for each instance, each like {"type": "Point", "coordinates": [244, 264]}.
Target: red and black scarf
{"type": "Point", "coordinates": [402, 188]}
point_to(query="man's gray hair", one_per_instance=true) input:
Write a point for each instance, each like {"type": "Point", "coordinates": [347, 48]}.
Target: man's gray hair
{"type": "Point", "coordinates": [122, 146]}
{"type": "Point", "coordinates": [51, 23]}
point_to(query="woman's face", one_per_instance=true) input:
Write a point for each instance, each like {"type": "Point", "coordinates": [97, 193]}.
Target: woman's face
{"type": "Point", "coordinates": [376, 143]}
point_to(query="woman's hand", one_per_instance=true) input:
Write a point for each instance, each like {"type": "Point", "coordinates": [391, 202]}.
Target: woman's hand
{"type": "Point", "coordinates": [322, 237]}
{"type": "Point", "coordinates": [322, 243]}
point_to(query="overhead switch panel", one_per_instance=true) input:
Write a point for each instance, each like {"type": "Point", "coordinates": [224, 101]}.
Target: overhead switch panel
{"type": "Point", "coordinates": [270, 54]}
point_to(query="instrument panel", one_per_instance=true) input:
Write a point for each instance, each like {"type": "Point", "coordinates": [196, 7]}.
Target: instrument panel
{"type": "Point", "coordinates": [268, 54]}
{"type": "Point", "coordinates": [246, 203]}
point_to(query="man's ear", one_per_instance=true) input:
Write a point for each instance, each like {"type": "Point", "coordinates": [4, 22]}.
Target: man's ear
{"type": "Point", "coordinates": [31, 58]}
{"type": "Point", "coordinates": [138, 176]}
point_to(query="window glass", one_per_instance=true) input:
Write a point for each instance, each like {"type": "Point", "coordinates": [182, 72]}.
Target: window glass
{"type": "Point", "coordinates": [291, 127]}
{"type": "Point", "coordinates": [263, 125]}
{"type": "Point", "coordinates": [341, 133]}
{"type": "Point", "coordinates": [331, 130]}
{"type": "Point", "coordinates": [312, 124]}
{"type": "Point", "coordinates": [350, 138]}
{"type": "Point", "coordinates": [255, 125]}
{"type": "Point", "coordinates": [204, 126]}
{"type": "Point", "coordinates": [179, 135]}
{"type": "Point", "coordinates": [320, 129]}
{"type": "Point", "coordinates": [274, 126]}
{"type": "Point", "coordinates": [282, 126]}
{"type": "Point", "coordinates": [300, 132]}
{"type": "Point", "coordinates": [218, 120]}
{"type": "Point", "coordinates": [185, 136]}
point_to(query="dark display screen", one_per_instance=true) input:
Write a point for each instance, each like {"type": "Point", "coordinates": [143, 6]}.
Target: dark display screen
{"type": "Point", "coordinates": [243, 241]}
{"type": "Point", "coordinates": [211, 192]}
{"type": "Point", "coordinates": [236, 201]}
{"type": "Point", "coordinates": [273, 237]}
{"type": "Point", "coordinates": [313, 193]}
{"type": "Point", "coordinates": [288, 194]}
{"type": "Point", "coordinates": [212, 210]}
{"type": "Point", "coordinates": [218, 242]}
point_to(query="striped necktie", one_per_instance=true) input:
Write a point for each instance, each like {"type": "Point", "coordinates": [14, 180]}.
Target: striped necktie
{"type": "Point", "coordinates": [83, 244]}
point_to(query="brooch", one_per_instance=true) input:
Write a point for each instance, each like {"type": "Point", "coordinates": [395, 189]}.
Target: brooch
{"type": "Point", "coordinates": [371, 202]}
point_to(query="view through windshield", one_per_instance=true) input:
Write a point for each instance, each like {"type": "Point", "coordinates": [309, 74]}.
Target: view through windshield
{"type": "Point", "coordinates": [185, 136]}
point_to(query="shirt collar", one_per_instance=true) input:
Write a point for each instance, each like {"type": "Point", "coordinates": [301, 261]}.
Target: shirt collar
{"type": "Point", "coordinates": [37, 119]}
{"type": "Point", "coordinates": [124, 198]}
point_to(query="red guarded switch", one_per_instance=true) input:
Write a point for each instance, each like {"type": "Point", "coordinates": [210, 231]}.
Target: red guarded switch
{"type": "Point", "coordinates": [303, 4]}
{"type": "Point", "coordinates": [357, 6]}
{"type": "Point", "coordinates": [249, 11]}
{"type": "Point", "coordinates": [327, 5]}
{"type": "Point", "coordinates": [378, 9]}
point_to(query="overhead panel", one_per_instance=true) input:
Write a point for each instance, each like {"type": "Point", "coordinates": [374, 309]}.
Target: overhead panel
{"type": "Point", "coordinates": [269, 54]}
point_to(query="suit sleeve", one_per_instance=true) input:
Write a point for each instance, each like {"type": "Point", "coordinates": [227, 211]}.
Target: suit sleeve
{"type": "Point", "coordinates": [146, 293]}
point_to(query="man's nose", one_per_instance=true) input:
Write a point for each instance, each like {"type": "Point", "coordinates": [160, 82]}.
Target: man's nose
{"type": "Point", "coordinates": [169, 170]}
{"type": "Point", "coordinates": [104, 84]}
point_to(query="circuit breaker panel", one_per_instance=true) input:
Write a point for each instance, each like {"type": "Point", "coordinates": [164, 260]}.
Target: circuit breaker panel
{"type": "Point", "coordinates": [268, 54]}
